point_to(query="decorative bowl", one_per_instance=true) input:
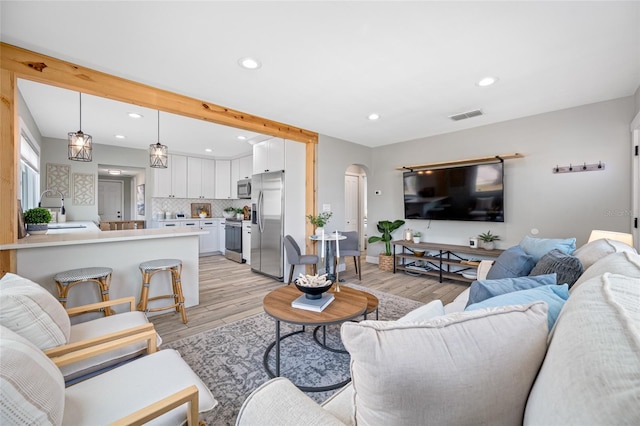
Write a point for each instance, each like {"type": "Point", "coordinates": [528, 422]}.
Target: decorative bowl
{"type": "Point", "coordinates": [418, 253]}
{"type": "Point", "coordinates": [229, 215]}
{"type": "Point", "coordinates": [202, 215]}
{"type": "Point", "coordinates": [313, 292]}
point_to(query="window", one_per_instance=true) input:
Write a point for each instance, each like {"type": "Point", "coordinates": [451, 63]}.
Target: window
{"type": "Point", "coordinates": [29, 172]}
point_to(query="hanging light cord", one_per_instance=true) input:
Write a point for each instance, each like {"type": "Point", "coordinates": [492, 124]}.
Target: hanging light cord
{"type": "Point", "coordinates": [158, 127]}
{"type": "Point", "coordinates": [80, 93]}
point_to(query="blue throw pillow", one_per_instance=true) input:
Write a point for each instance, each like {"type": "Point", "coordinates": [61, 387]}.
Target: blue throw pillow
{"type": "Point", "coordinates": [553, 295]}
{"type": "Point", "coordinates": [513, 262]}
{"type": "Point", "coordinates": [538, 247]}
{"type": "Point", "coordinates": [486, 289]}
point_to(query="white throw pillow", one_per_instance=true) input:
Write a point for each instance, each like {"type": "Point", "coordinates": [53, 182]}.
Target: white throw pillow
{"type": "Point", "coordinates": [592, 252]}
{"type": "Point", "coordinates": [591, 374]}
{"type": "Point", "coordinates": [32, 312]}
{"type": "Point", "coordinates": [623, 263]}
{"type": "Point", "coordinates": [460, 369]}
{"type": "Point", "coordinates": [425, 312]}
{"type": "Point", "coordinates": [31, 385]}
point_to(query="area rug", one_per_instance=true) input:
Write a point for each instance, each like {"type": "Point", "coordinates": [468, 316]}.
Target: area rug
{"type": "Point", "coordinates": [229, 359]}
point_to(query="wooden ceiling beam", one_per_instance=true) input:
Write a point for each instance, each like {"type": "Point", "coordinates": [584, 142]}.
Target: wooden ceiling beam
{"type": "Point", "coordinates": [45, 69]}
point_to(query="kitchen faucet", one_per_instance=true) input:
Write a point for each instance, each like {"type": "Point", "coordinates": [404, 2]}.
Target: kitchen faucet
{"type": "Point", "coordinates": [62, 211]}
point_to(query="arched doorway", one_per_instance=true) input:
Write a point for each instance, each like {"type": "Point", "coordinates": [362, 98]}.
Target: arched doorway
{"type": "Point", "coordinates": [355, 202]}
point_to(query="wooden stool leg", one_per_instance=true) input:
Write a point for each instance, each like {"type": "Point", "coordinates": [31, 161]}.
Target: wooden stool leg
{"type": "Point", "coordinates": [175, 274]}
{"type": "Point", "coordinates": [144, 294]}
{"type": "Point", "coordinates": [104, 283]}
{"type": "Point", "coordinates": [63, 291]}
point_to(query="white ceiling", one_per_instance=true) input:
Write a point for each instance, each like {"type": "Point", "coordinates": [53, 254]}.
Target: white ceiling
{"type": "Point", "coordinates": [327, 65]}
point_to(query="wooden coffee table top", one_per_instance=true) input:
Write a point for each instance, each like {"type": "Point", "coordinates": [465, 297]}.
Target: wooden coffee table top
{"type": "Point", "coordinates": [348, 304]}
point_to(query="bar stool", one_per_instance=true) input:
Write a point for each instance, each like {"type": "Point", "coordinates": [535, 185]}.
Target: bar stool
{"type": "Point", "coordinates": [149, 269]}
{"type": "Point", "coordinates": [99, 275]}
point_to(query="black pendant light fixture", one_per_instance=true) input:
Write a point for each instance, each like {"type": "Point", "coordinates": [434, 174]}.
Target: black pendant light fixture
{"type": "Point", "coordinates": [80, 144]}
{"type": "Point", "coordinates": [158, 153]}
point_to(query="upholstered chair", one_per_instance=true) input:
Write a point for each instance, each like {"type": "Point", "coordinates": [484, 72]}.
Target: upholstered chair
{"type": "Point", "coordinates": [294, 257]}
{"type": "Point", "coordinates": [351, 248]}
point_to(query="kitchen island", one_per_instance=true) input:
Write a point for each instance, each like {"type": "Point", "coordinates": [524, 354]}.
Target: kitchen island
{"type": "Point", "coordinates": [40, 257]}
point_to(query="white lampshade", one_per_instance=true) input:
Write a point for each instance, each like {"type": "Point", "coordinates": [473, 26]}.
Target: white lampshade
{"type": "Point", "coordinates": [611, 235]}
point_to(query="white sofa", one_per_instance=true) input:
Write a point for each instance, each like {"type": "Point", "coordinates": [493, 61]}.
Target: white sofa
{"type": "Point", "coordinates": [494, 366]}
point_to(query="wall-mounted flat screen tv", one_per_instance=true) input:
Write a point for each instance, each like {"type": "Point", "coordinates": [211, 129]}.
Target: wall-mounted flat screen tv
{"type": "Point", "coordinates": [472, 193]}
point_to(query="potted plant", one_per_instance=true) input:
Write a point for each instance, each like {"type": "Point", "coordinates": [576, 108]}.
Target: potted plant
{"type": "Point", "coordinates": [37, 220]}
{"type": "Point", "coordinates": [229, 212]}
{"type": "Point", "coordinates": [488, 240]}
{"type": "Point", "coordinates": [386, 228]}
{"type": "Point", "coordinates": [319, 221]}
{"type": "Point", "coordinates": [416, 237]}
{"type": "Point", "coordinates": [239, 213]}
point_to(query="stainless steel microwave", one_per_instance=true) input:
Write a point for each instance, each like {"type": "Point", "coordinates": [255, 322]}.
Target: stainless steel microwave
{"type": "Point", "coordinates": [244, 188]}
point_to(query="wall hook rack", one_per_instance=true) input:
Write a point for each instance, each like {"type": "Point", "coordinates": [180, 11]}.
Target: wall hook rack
{"type": "Point", "coordinates": [584, 167]}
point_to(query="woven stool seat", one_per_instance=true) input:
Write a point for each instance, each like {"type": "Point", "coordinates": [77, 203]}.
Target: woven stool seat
{"type": "Point", "coordinates": [67, 279]}
{"type": "Point", "coordinates": [150, 268]}
{"type": "Point", "coordinates": [160, 264]}
{"type": "Point", "coordinates": [82, 274]}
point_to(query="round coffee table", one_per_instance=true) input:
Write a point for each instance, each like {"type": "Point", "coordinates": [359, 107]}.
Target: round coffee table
{"type": "Point", "coordinates": [348, 304]}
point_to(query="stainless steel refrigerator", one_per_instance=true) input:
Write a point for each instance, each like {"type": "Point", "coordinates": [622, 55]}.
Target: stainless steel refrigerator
{"type": "Point", "coordinates": [267, 223]}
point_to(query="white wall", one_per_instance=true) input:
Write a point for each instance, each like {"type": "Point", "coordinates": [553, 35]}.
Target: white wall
{"type": "Point", "coordinates": [334, 158]}
{"type": "Point", "coordinates": [558, 205]}
{"type": "Point", "coordinates": [55, 151]}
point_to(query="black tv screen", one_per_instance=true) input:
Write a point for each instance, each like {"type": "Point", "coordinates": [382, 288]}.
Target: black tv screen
{"type": "Point", "coordinates": [473, 193]}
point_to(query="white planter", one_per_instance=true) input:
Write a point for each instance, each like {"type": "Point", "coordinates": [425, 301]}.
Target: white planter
{"type": "Point", "coordinates": [488, 245]}
{"type": "Point", "coordinates": [416, 240]}
{"type": "Point", "coordinates": [319, 230]}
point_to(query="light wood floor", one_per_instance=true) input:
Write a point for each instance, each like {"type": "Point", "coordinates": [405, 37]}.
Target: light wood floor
{"type": "Point", "coordinates": [229, 291]}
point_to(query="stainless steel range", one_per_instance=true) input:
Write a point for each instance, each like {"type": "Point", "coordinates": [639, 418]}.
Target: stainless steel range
{"type": "Point", "coordinates": [233, 240]}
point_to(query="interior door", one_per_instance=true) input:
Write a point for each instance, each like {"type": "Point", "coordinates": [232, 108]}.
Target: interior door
{"type": "Point", "coordinates": [351, 203]}
{"type": "Point", "coordinates": [110, 200]}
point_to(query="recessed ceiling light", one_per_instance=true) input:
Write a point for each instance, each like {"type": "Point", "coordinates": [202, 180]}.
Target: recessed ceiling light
{"type": "Point", "coordinates": [114, 172]}
{"type": "Point", "coordinates": [487, 81]}
{"type": "Point", "coordinates": [135, 115]}
{"type": "Point", "coordinates": [249, 63]}
{"type": "Point", "coordinates": [120, 136]}
{"type": "Point", "coordinates": [242, 138]}
{"type": "Point", "coordinates": [374, 116]}
{"type": "Point", "coordinates": [208, 150]}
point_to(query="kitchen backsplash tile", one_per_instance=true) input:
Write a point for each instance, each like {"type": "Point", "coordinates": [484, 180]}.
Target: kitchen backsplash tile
{"type": "Point", "coordinates": [183, 205]}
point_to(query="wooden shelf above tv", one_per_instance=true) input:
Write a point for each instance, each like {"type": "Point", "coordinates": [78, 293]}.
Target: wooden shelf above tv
{"type": "Point", "coordinates": [477, 160]}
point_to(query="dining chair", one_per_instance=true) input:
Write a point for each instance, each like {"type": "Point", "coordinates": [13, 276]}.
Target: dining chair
{"type": "Point", "coordinates": [351, 247]}
{"type": "Point", "coordinates": [294, 257]}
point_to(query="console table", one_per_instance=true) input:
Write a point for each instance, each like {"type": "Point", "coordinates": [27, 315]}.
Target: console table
{"type": "Point", "coordinates": [440, 263]}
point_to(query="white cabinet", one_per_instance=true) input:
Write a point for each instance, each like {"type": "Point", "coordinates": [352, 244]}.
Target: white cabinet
{"type": "Point", "coordinates": [200, 177]}
{"type": "Point", "coordinates": [245, 167]}
{"type": "Point", "coordinates": [221, 235]}
{"type": "Point", "coordinates": [209, 243]}
{"type": "Point", "coordinates": [235, 175]}
{"type": "Point", "coordinates": [241, 168]}
{"type": "Point", "coordinates": [268, 156]}
{"type": "Point", "coordinates": [223, 179]}
{"type": "Point", "coordinates": [246, 241]}
{"type": "Point", "coordinates": [172, 181]}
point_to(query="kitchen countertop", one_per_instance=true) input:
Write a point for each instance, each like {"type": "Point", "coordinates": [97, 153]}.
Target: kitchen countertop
{"type": "Point", "coordinates": [66, 237]}
{"type": "Point", "coordinates": [187, 218]}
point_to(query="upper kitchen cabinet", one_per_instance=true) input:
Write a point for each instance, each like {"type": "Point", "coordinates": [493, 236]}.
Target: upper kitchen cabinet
{"type": "Point", "coordinates": [268, 156]}
{"type": "Point", "coordinates": [172, 181]}
{"type": "Point", "coordinates": [223, 179]}
{"type": "Point", "coordinates": [241, 168]}
{"type": "Point", "coordinates": [200, 178]}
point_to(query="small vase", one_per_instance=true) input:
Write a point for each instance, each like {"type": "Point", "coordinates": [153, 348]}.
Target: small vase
{"type": "Point", "coordinates": [416, 240]}
{"type": "Point", "coordinates": [488, 245]}
{"type": "Point", "coordinates": [37, 228]}
{"type": "Point", "coordinates": [319, 230]}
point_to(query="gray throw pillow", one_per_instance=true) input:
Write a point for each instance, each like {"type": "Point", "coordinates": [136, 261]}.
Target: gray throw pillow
{"type": "Point", "coordinates": [512, 263]}
{"type": "Point", "coordinates": [568, 268]}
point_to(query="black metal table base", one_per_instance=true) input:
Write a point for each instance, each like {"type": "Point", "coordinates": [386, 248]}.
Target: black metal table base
{"type": "Point", "coordinates": [271, 374]}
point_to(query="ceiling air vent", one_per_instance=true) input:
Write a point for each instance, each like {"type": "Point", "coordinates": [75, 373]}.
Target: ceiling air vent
{"type": "Point", "coordinates": [465, 115]}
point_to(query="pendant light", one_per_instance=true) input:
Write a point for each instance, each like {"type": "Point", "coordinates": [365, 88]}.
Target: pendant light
{"type": "Point", "coordinates": [80, 144]}
{"type": "Point", "coordinates": [158, 157]}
